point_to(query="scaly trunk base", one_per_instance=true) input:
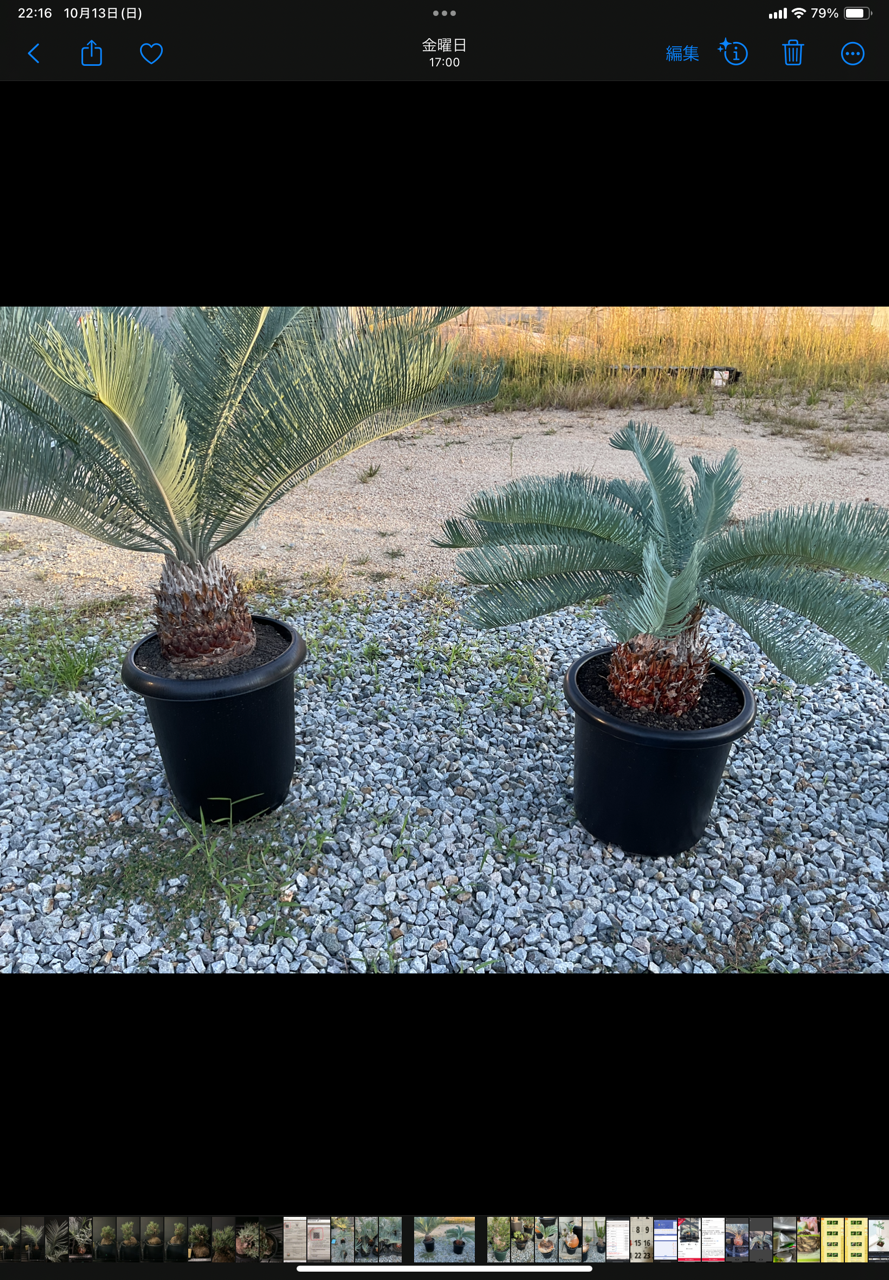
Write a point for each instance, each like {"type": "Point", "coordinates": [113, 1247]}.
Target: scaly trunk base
{"type": "Point", "coordinates": [202, 617]}
{"type": "Point", "coordinates": [666, 676]}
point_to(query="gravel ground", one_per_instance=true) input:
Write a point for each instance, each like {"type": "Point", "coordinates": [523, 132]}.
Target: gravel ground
{"type": "Point", "coordinates": [790, 871]}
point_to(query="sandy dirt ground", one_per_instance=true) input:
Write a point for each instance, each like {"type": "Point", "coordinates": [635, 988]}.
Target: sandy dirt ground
{"type": "Point", "coordinates": [427, 472]}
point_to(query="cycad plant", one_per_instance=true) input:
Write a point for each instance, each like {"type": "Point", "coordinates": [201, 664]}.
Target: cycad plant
{"type": "Point", "coordinates": [171, 438]}
{"type": "Point", "coordinates": [56, 1240]}
{"type": "Point", "coordinates": [662, 553]}
{"type": "Point", "coordinates": [81, 1234]}
{"type": "Point", "coordinates": [33, 1235]}
{"type": "Point", "coordinates": [9, 1239]}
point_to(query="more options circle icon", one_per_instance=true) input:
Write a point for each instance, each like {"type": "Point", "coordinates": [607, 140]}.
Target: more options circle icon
{"type": "Point", "coordinates": [852, 53]}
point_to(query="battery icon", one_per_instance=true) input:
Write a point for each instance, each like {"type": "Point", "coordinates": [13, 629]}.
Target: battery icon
{"type": "Point", "coordinates": [859, 12]}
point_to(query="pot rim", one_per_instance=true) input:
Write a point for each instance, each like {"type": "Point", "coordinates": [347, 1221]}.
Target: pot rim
{"type": "Point", "coordinates": [167, 689]}
{"type": "Point", "coordinates": [718, 735]}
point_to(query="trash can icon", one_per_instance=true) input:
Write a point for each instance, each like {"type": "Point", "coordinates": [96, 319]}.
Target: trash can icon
{"type": "Point", "coordinates": [793, 53]}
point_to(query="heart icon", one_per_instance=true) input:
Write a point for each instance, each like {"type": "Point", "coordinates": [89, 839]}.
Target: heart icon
{"type": "Point", "coordinates": [151, 52]}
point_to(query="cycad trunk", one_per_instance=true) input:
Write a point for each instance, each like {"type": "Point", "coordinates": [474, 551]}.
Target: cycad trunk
{"type": "Point", "coordinates": [202, 617]}
{"type": "Point", "coordinates": [666, 676]}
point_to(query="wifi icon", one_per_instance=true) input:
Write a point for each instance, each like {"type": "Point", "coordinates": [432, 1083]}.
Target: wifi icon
{"type": "Point", "coordinates": [798, 13]}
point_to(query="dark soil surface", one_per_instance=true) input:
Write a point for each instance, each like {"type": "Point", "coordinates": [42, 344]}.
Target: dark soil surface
{"type": "Point", "coordinates": [269, 645]}
{"type": "Point", "coordinates": [719, 702]}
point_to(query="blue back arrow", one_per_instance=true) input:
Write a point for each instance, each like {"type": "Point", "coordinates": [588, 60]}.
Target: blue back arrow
{"type": "Point", "coordinates": [31, 52]}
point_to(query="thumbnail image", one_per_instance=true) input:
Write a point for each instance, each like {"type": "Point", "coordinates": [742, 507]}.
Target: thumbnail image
{"type": "Point", "coordinates": [690, 1231]}
{"type": "Point", "coordinates": [129, 1230]}
{"type": "Point", "coordinates": [254, 1241]}
{"type": "Point", "coordinates": [523, 1238]}
{"type": "Point", "coordinates": [10, 1237]}
{"type": "Point", "coordinates": [199, 1236]}
{"type": "Point", "coordinates": [105, 1239]}
{"type": "Point", "coordinates": [80, 1239]}
{"type": "Point", "coordinates": [153, 1238]}
{"type": "Point", "coordinates": [444, 1240]}
{"type": "Point", "coordinates": [342, 1239]}
{"type": "Point", "coordinates": [223, 1240]}
{"type": "Point", "coordinates": [737, 1240]}
{"type": "Point", "coordinates": [498, 1239]}
{"type": "Point", "coordinates": [31, 1238]}
{"type": "Point", "coordinates": [571, 1238]}
{"type": "Point", "coordinates": [55, 1239]}
{"type": "Point", "coordinates": [594, 1237]}
{"type": "Point", "coordinates": [760, 1240]}
{"type": "Point", "coordinates": [876, 1238]}
{"type": "Point", "coordinates": [367, 1239]}
{"type": "Point", "coordinates": [390, 1239]}
{"type": "Point", "coordinates": [808, 1240]}
{"type": "Point", "coordinates": [176, 1235]}
{"type": "Point", "coordinates": [784, 1243]}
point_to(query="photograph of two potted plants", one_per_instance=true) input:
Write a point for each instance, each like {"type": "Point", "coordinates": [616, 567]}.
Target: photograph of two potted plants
{"type": "Point", "coordinates": [655, 715]}
{"type": "Point", "coordinates": [173, 438]}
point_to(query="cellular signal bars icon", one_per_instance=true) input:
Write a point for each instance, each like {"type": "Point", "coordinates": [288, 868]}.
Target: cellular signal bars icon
{"type": "Point", "coordinates": [782, 13]}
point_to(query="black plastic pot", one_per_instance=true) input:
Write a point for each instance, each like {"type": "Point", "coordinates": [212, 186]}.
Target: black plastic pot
{"type": "Point", "coordinates": [227, 736]}
{"type": "Point", "coordinates": [545, 1254]}
{"type": "Point", "coordinates": [568, 1249]}
{"type": "Point", "coordinates": [600, 1248]}
{"type": "Point", "coordinates": [648, 790]}
{"type": "Point", "coordinates": [584, 1253]}
{"type": "Point", "coordinates": [458, 1246]}
{"type": "Point", "coordinates": [548, 1222]}
{"type": "Point", "coordinates": [106, 1253]}
{"type": "Point", "coordinates": [430, 1245]}
{"type": "Point", "coordinates": [154, 1253]}
{"type": "Point", "coordinates": [130, 1253]}
{"type": "Point", "coordinates": [177, 1252]}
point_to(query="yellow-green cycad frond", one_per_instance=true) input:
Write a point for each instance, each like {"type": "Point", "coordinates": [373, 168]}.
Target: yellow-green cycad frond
{"type": "Point", "coordinates": [336, 384]}
{"type": "Point", "coordinates": [671, 511]}
{"type": "Point", "coordinates": [129, 376]}
{"type": "Point", "coordinates": [838, 608]}
{"type": "Point", "coordinates": [174, 437]}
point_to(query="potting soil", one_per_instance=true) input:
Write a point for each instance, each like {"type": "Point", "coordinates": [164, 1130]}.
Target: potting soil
{"type": "Point", "coordinates": [718, 703]}
{"type": "Point", "coordinates": [269, 645]}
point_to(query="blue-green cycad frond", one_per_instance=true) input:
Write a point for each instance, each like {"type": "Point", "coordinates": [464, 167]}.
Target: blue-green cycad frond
{"type": "Point", "coordinates": [672, 514]}
{"type": "Point", "coordinates": [785, 638]}
{"type": "Point", "coordinates": [848, 537]}
{"type": "Point", "coordinates": [713, 492]}
{"type": "Point", "coordinates": [841, 609]}
{"type": "Point", "coordinates": [566, 509]}
{"type": "Point", "coordinates": [511, 602]}
{"type": "Point", "coordinates": [662, 605]}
